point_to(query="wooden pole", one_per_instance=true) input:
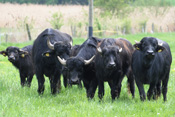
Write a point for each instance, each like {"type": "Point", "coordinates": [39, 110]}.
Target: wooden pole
{"type": "Point", "coordinates": [90, 18]}
{"type": "Point", "coordinates": [28, 32]}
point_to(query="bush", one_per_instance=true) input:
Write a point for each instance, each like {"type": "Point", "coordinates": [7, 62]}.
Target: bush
{"type": "Point", "coordinates": [56, 21]}
{"type": "Point", "coordinates": [126, 26]}
{"type": "Point", "coordinates": [98, 26]}
{"type": "Point", "coordinates": [118, 7]}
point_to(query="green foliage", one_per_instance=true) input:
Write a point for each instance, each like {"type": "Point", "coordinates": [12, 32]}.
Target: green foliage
{"type": "Point", "coordinates": [154, 2]}
{"type": "Point", "coordinates": [56, 20]}
{"type": "Point", "coordinates": [72, 102]}
{"type": "Point", "coordinates": [126, 26]}
{"type": "Point", "coordinates": [79, 25]}
{"type": "Point", "coordinates": [82, 2]}
{"type": "Point", "coordinates": [98, 27]}
{"type": "Point", "coordinates": [122, 8]}
{"type": "Point", "coordinates": [119, 7]}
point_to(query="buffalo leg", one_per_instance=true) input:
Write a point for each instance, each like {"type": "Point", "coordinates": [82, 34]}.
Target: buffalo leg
{"type": "Point", "coordinates": [86, 85]}
{"type": "Point", "coordinates": [151, 90]}
{"type": "Point", "coordinates": [29, 80]}
{"type": "Point", "coordinates": [92, 89]}
{"type": "Point", "coordinates": [56, 84]}
{"type": "Point", "coordinates": [141, 90]}
{"type": "Point", "coordinates": [112, 86]}
{"type": "Point", "coordinates": [100, 89]}
{"type": "Point", "coordinates": [65, 80]}
{"type": "Point", "coordinates": [51, 82]}
{"type": "Point", "coordinates": [115, 90]}
{"type": "Point", "coordinates": [165, 87]}
{"type": "Point", "coordinates": [65, 77]}
{"type": "Point", "coordinates": [41, 81]}
{"type": "Point", "coordinates": [22, 78]}
{"type": "Point", "coordinates": [131, 83]}
{"type": "Point", "coordinates": [157, 90]}
{"type": "Point", "coordinates": [69, 83]}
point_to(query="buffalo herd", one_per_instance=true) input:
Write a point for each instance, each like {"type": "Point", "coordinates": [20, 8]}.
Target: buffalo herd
{"type": "Point", "coordinates": [94, 62]}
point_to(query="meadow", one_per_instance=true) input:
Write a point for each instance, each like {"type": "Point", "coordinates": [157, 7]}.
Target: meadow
{"type": "Point", "coordinates": [72, 102]}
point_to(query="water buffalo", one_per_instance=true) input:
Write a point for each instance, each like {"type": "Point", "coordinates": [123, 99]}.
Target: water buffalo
{"type": "Point", "coordinates": [112, 63]}
{"type": "Point", "coordinates": [151, 63]}
{"type": "Point", "coordinates": [22, 60]}
{"type": "Point", "coordinates": [81, 67]}
{"type": "Point", "coordinates": [73, 52]}
{"type": "Point", "coordinates": [48, 45]}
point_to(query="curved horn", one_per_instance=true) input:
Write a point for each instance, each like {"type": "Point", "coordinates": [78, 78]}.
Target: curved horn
{"type": "Point", "coordinates": [25, 52]}
{"type": "Point", "coordinates": [137, 42]}
{"type": "Point", "coordinates": [71, 43]}
{"type": "Point", "coordinates": [62, 61]}
{"type": "Point", "coordinates": [89, 61]}
{"type": "Point", "coordinates": [160, 44]}
{"type": "Point", "coordinates": [51, 46]}
{"type": "Point", "coordinates": [99, 50]}
{"type": "Point", "coordinates": [120, 50]}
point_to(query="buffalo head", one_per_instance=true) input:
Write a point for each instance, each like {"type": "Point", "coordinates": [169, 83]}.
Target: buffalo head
{"type": "Point", "coordinates": [110, 56]}
{"type": "Point", "coordinates": [14, 53]}
{"type": "Point", "coordinates": [75, 67]}
{"type": "Point", "coordinates": [149, 46]}
{"type": "Point", "coordinates": [59, 48]}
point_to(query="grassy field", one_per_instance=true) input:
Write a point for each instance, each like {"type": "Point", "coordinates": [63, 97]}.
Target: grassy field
{"type": "Point", "coordinates": [72, 102]}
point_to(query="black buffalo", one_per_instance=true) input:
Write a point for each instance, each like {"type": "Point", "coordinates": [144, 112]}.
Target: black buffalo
{"type": "Point", "coordinates": [73, 52]}
{"type": "Point", "coordinates": [81, 67]}
{"type": "Point", "coordinates": [112, 63]}
{"type": "Point", "coordinates": [22, 60]}
{"type": "Point", "coordinates": [151, 65]}
{"type": "Point", "coordinates": [48, 45]}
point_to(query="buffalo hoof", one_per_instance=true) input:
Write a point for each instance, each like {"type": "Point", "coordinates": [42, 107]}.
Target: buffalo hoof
{"type": "Point", "coordinates": [41, 91]}
{"type": "Point", "coordinates": [100, 96]}
{"type": "Point", "coordinates": [142, 98]}
{"type": "Point", "coordinates": [90, 96]}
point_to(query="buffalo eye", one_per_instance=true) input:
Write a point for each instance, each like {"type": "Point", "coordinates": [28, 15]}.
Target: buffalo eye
{"type": "Point", "coordinates": [66, 68]}
{"type": "Point", "coordinates": [16, 51]}
{"type": "Point", "coordinates": [143, 44]}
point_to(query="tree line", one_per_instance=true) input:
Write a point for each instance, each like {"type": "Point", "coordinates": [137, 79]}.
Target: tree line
{"type": "Point", "coordinates": [97, 2]}
{"type": "Point", "coordinates": [81, 2]}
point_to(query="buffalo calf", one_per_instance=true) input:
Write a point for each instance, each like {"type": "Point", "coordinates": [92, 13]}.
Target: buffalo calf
{"type": "Point", "coordinates": [22, 60]}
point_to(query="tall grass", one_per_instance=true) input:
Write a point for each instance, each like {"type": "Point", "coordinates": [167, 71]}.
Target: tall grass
{"type": "Point", "coordinates": [72, 102]}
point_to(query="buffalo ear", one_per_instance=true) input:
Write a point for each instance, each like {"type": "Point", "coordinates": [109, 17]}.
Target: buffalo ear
{"type": "Point", "coordinates": [4, 53]}
{"type": "Point", "coordinates": [160, 48]}
{"type": "Point", "coordinates": [137, 46]}
{"type": "Point", "coordinates": [47, 54]}
{"type": "Point", "coordinates": [23, 53]}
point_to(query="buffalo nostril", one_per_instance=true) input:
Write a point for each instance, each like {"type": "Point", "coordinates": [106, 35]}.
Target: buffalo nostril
{"type": "Point", "coordinates": [74, 81]}
{"type": "Point", "coordinates": [150, 52]}
{"type": "Point", "coordinates": [11, 58]}
{"type": "Point", "coordinates": [112, 65]}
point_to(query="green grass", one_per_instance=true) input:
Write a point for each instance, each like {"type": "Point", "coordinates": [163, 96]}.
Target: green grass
{"type": "Point", "coordinates": [72, 102]}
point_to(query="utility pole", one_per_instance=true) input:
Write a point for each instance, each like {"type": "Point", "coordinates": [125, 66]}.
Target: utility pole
{"type": "Point", "coordinates": [90, 18]}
